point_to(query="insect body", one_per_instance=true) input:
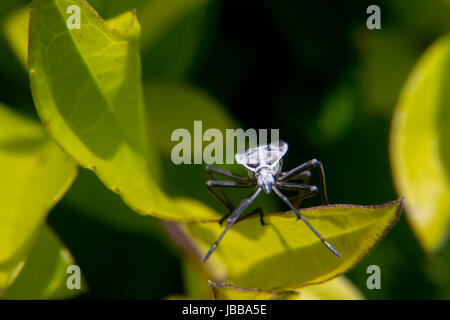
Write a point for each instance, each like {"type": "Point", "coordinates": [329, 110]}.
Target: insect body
{"type": "Point", "coordinates": [263, 165]}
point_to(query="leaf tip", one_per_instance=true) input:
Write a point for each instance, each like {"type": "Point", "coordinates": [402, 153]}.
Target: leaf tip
{"type": "Point", "coordinates": [125, 25]}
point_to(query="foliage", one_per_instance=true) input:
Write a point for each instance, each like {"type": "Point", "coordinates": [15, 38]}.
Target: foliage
{"type": "Point", "coordinates": [110, 94]}
{"type": "Point", "coordinates": [44, 275]}
{"type": "Point", "coordinates": [32, 168]}
{"type": "Point", "coordinates": [336, 289]}
{"type": "Point", "coordinates": [419, 149]}
{"type": "Point", "coordinates": [285, 244]}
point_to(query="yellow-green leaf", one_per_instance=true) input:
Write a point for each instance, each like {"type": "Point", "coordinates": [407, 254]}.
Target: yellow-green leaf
{"type": "Point", "coordinates": [16, 31]}
{"type": "Point", "coordinates": [86, 84]}
{"type": "Point", "coordinates": [336, 289]}
{"type": "Point", "coordinates": [287, 247]}
{"type": "Point", "coordinates": [35, 174]}
{"type": "Point", "coordinates": [44, 275]}
{"type": "Point", "coordinates": [420, 155]}
{"type": "Point", "coordinates": [223, 291]}
{"type": "Point", "coordinates": [172, 31]}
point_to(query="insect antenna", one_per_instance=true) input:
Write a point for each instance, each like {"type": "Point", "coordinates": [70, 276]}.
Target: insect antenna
{"type": "Point", "coordinates": [300, 216]}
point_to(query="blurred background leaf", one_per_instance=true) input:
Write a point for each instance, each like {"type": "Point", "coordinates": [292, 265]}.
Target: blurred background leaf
{"type": "Point", "coordinates": [35, 175]}
{"type": "Point", "coordinates": [419, 145]}
{"type": "Point", "coordinates": [44, 275]}
{"type": "Point", "coordinates": [16, 32]}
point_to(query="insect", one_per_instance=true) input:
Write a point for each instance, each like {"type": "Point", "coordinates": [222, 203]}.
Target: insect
{"type": "Point", "coordinates": [263, 164]}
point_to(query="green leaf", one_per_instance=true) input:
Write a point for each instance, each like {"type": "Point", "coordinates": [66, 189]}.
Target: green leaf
{"type": "Point", "coordinates": [383, 53]}
{"type": "Point", "coordinates": [223, 291]}
{"type": "Point", "coordinates": [337, 289]}
{"type": "Point", "coordinates": [35, 175]}
{"type": "Point", "coordinates": [10, 68]}
{"type": "Point", "coordinates": [16, 31]}
{"type": "Point", "coordinates": [173, 32]}
{"type": "Point", "coordinates": [420, 156]}
{"type": "Point", "coordinates": [336, 117]}
{"type": "Point", "coordinates": [44, 275]}
{"type": "Point", "coordinates": [289, 248]}
{"type": "Point", "coordinates": [86, 85]}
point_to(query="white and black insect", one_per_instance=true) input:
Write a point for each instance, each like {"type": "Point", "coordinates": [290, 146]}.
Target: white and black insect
{"type": "Point", "coordinates": [263, 165]}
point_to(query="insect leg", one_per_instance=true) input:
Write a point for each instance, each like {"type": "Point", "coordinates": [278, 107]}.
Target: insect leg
{"type": "Point", "coordinates": [211, 170]}
{"type": "Point", "coordinates": [261, 215]}
{"type": "Point", "coordinates": [306, 167]}
{"type": "Point", "coordinates": [211, 185]}
{"type": "Point", "coordinates": [257, 210]}
{"type": "Point", "coordinates": [304, 178]}
{"type": "Point", "coordinates": [296, 201]}
{"type": "Point", "coordinates": [297, 186]}
{"type": "Point", "coordinates": [219, 194]}
{"type": "Point", "coordinates": [305, 191]}
{"type": "Point", "coordinates": [233, 217]}
{"type": "Point", "coordinates": [300, 216]}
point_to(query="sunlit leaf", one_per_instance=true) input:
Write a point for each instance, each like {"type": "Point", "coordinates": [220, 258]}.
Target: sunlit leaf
{"type": "Point", "coordinates": [172, 31]}
{"type": "Point", "coordinates": [288, 248]}
{"type": "Point", "coordinates": [16, 32]}
{"type": "Point", "coordinates": [87, 88]}
{"type": "Point", "coordinates": [223, 291]}
{"type": "Point", "coordinates": [35, 174]}
{"type": "Point", "coordinates": [420, 155]}
{"type": "Point", "coordinates": [10, 67]}
{"type": "Point", "coordinates": [44, 275]}
{"type": "Point", "coordinates": [336, 289]}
